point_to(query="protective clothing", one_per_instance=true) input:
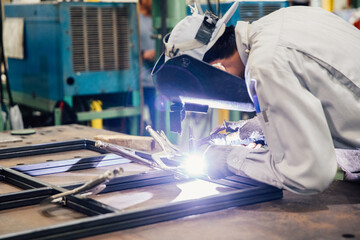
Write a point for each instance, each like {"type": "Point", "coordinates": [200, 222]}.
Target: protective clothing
{"type": "Point", "coordinates": [349, 161]}
{"type": "Point", "coordinates": [242, 132]}
{"type": "Point", "coordinates": [302, 70]}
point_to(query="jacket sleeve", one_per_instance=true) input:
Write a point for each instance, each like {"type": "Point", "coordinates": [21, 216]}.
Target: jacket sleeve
{"type": "Point", "coordinates": [300, 156]}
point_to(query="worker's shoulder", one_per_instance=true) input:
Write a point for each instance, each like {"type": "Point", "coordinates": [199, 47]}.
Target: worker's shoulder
{"type": "Point", "coordinates": [302, 13]}
{"type": "Point", "coordinates": [301, 10]}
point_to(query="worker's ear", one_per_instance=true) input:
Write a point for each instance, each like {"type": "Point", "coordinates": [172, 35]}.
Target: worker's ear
{"type": "Point", "coordinates": [219, 66]}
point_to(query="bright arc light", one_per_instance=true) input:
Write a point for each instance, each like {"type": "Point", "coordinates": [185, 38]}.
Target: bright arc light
{"type": "Point", "coordinates": [194, 164]}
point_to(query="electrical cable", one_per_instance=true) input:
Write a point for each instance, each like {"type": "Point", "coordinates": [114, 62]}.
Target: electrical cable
{"type": "Point", "coordinates": [218, 8]}
{"type": "Point", "coordinates": [210, 6]}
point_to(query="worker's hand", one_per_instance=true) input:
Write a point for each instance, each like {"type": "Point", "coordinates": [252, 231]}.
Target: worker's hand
{"type": "Point", "coordinates": [216, 158]}
{"type": "Point", "coordinates": [216, 166]}
{"type": "Point", "coordinates": [228, 127]}
{"type": "Point", "coordinates": [234, 139]}
{"type": "Point", "coordinates": [243, 132]}
{"type": "Point", "coordinates": [254, 145]}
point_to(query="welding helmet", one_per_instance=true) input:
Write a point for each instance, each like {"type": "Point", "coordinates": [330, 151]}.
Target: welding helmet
{"type": "Point", "coordinates": [196, 34]}
{"type": "Point", "coordinates": [186, 80]}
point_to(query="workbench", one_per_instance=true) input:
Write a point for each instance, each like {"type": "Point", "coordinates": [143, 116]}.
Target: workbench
{"type": "Point", "coordinates": [333, 214]}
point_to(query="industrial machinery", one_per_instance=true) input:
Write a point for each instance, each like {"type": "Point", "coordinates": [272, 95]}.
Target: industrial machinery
{"type": "Point", "coordinates": [248, 10]}
{"type": "Point", "coordinates": [76, 52]}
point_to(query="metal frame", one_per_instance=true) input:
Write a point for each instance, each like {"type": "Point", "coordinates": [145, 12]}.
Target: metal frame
{"type": "Point", "coordinates": [49, 148]}
{"type": "Point", "coordinates": [103, 218]}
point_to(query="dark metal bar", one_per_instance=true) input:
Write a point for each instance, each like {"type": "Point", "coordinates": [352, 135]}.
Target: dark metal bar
{"type": "Point", "coordinates": [229, 183]}
{"type": "Point", "coordinates": [134, 181]}
{"type": "Point", "coordinates": [24, 198]}
{"type": "Point", "coordinates": [21, 180]}
{"type": "Point", "coordinates": [245, 180]}
{"type": "Point", "coordinates": [33, 152]}
{"type": "Point", "coordinates": [88, 206]}
{"type": "Point", "coordinates": [48, 148]}
{"type": "Point", "coordinates": [43, 146]}
{"type": "Point", "coordinates": [142, 183]}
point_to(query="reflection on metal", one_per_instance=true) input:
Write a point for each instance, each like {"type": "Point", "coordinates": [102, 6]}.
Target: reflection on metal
{"type": "Point", "coordinates": [68, 165]}
{"type": "Point", "coordinates": [196, 189]}
{"type": "Point", "coordinates": [103, 218]}
{"type": "Point", "coordinates": [125, 200]}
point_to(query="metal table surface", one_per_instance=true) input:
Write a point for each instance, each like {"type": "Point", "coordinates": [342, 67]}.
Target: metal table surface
{"type": "Point", "coordinates": [333, 214]}
{"type": "Point", "coordinates": [53, 134]}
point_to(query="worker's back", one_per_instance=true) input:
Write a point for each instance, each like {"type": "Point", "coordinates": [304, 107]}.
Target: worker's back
{"type": "Point", "coordinates": [323, 52]}
{"type": "Point", "coordinates": [332, 40]}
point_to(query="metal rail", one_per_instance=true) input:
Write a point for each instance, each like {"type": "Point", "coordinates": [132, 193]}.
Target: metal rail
{"type": "Point", "coordinates": [49, 148]}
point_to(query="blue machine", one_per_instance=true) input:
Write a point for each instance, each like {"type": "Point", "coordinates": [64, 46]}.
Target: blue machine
{"type": "Point", "coordinates": [248, 10]}
{"type": "Point", "coordinates": [74, 49]}
{"type": "Point", "coordinates": [253, 10]}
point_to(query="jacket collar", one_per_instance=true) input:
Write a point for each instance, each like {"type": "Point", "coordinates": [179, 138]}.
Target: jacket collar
{"type": "Point", "coordinates": [242, 30]}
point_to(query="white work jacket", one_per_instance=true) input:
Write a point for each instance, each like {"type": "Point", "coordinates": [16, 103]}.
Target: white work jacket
{"type": "Point", "coordinates": [303, 67]}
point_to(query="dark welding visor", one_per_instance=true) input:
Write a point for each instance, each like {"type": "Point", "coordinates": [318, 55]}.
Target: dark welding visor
{"type": "Point", "coordinates": [186, 80]}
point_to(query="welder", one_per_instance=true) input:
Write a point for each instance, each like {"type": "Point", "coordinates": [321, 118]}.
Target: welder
{"type": "Point", "coordinates": [301, 67]}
